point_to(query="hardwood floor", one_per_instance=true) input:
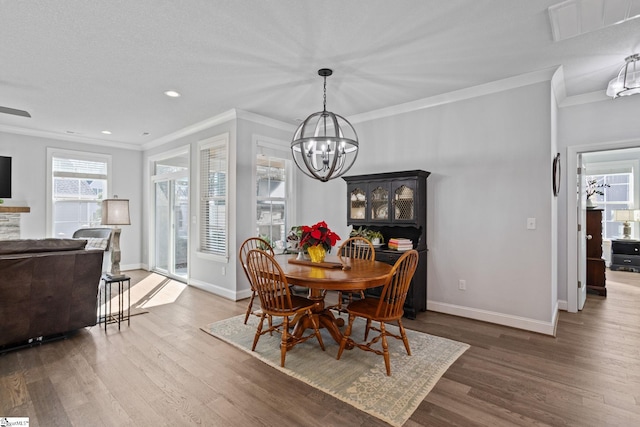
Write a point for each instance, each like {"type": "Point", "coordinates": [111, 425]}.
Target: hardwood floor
{"type": "Point", "coordinates": [164, 371]}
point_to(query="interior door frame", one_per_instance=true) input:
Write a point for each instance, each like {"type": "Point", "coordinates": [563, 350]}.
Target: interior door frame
{"type": "Point", "coordinates": [582, 233]}
{"type": "Point", "coordinates": [573, 251]}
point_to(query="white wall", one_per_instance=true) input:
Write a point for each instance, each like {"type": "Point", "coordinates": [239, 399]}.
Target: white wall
{"type": "Point", "coordinates": [490, 163]}
{"type": "Point", "coordinates": [29, 185]}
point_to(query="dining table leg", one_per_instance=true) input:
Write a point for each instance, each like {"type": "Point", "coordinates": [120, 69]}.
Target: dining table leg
{"type": "Point", "coordinates": [326, 319]}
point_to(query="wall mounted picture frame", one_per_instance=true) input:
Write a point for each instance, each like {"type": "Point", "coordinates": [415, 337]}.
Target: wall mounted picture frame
{"type": "Point", "coordinates": [556, 175]}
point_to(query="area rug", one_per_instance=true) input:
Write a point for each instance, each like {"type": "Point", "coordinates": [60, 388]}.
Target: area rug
{"type": "Point", "coordinates": [358, 378]}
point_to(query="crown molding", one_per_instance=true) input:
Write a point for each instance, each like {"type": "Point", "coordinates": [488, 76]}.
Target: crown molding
{"type": "Point", "coordinates": [585, 98]}
{"type": "Point", "coordinates": [558, 86]}
{"type": "Point", "coordinates": [229, 115]}
{"type": "Point", "coordinates": [458, 95]}
{"type": "Point", "coordinates": [68, 137]}
{"type": "Point", "coordinates": [190, 130]}
{"type": "Point", "coordinates": [267, 121]}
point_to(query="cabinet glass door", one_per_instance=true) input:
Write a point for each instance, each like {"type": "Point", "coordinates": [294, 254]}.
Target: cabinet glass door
{"type": "Point", "coordinates": [357, 203]}
{"type": "Point", "coordinates": [379, 204]}
{"type": "Point", "coordinates": [404, 201]}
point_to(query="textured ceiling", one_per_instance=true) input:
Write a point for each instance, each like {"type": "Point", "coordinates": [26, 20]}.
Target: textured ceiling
{"type": "Point", "coordinates": [84, 66]}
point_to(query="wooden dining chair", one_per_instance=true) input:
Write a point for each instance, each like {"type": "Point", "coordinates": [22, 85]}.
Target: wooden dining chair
{"type": "Point", "coordinates": [248, 245]}
{"type": "Point", "coordinates": [277, 300]}
{"type": "Point", "coordinates": [353, 247]}
{"type": "Point", "coordinates": [387, 308]}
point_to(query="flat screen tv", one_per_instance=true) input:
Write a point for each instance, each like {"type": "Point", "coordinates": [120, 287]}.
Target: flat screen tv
{"type": "Point", "coordinates": [5, 177]}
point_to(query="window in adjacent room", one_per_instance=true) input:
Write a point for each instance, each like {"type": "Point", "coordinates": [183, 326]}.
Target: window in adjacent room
{"type": "Point", "coordinates": [78, 183]}
{"type": "Point", "coordinates": [213, 158]}
{"type": "Point", "coordinates": [619, 195]}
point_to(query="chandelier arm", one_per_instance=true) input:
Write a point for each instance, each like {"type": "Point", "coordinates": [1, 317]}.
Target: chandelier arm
{"type": "Point", "coordinates": [308, 169]}
{"type": "Point", "coordinates": [313, 172]}
{"type": "Point", "coordinates": [309, 163]}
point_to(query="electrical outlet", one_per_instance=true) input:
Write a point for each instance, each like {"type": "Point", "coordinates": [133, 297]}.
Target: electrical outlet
{"type": "Point", "coordinates": [531, 223]}
{"type": "Point", "coordinates": [462, 285]}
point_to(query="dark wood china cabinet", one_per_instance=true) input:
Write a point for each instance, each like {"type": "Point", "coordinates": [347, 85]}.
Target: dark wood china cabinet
{"type": "Point", "coordinates": [394, 203]}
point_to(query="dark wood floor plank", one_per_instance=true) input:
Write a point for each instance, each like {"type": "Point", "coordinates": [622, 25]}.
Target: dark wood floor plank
{"type": "Point", "coordinates": [163, 370]}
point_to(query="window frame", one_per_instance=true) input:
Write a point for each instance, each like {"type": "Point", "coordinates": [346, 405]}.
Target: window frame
{"type": "Point", "coordinates": [610, 168]}
{"type": "Point", "coordinates": [76, 155]}
{"type": "Point", "coordinates": [206, 144]}
{"type": "Point", "coordinates": [280, 150]}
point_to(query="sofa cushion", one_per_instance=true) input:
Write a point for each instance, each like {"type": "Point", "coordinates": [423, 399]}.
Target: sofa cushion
{"type": "Point", "coordinates": [23, 246]}
{"type": "Point", "coordinates": [96, 243]}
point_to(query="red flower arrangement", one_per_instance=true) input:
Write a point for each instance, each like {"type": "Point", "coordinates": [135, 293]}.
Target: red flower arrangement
{"type": "Point", "coordinates": [318, 234]}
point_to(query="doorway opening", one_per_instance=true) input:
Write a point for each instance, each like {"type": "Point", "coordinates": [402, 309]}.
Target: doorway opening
{"type": "Point", "coordinates": [618, 165]}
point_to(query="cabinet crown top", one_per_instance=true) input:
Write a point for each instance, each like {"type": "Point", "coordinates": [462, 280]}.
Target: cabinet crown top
{"type": "Point", "coordinates": [388, 175]}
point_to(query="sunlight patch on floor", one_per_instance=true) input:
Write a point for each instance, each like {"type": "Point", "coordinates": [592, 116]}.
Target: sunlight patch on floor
{"type": "Point", "coordinates": [153, 290]}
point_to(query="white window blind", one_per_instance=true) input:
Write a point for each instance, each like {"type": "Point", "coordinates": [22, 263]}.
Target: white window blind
{"type": "Point", "coordinates": [78, 185]}
{"type": "Point", "coordinates": [213, 196]}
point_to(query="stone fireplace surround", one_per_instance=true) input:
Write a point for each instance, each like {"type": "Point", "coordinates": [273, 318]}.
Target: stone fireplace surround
{"type": "Point", "coordinates": [10, 221]}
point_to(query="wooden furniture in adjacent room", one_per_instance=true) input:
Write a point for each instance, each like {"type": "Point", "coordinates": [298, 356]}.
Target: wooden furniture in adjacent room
{"type": "Point", "coordinates": [394, 203]}
{"type": "Point", "coordinates": [625, 255]}
{"type": "Point", "coordinates": [595, 264]}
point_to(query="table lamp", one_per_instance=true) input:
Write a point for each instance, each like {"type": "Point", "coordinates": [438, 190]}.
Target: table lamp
{"type": "Point", "coordinates": [625, 216]}
{"type": "Point", "coordinates": [115, 212]}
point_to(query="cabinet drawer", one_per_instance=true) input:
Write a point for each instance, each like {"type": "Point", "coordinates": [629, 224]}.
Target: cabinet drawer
{"type": "Point", "coordinates": [387, 257]}
{"type": "Point", "coordinates": [626, 248]}
{"type": "Point", "coordinates": [632, 260]}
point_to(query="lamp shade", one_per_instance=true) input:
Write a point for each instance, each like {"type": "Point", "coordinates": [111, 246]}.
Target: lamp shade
{"type": "Point", "coordinates": [115, 212]}
{"type": "Point", "coordinates": [623, 215]}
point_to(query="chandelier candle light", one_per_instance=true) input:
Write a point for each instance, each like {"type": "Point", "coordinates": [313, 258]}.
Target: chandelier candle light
{"type": "Point", "coordinates": [325, 145]}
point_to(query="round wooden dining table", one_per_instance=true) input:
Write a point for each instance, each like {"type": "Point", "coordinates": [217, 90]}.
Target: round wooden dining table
{"type": "Point", "coordinates": [335, 274]}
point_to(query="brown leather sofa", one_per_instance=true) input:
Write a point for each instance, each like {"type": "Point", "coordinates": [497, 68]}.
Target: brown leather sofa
{"type": "Point", "coordinates": [48, 287]}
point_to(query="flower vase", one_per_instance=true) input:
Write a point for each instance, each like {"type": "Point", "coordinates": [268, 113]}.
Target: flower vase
{"type": "Point", "coordinates": [591, 204]}
{"type": "Point", "coordinates": [316, 253]}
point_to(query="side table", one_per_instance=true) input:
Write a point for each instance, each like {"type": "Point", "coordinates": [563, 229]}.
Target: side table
{"type": "Point", "coordinates": [109, 316]}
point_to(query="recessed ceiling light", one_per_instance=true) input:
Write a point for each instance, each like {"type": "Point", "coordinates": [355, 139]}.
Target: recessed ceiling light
{"type": "Point", "coordinates": [172, 93]}
{"type": "Point", "coordinates": [106, 132]}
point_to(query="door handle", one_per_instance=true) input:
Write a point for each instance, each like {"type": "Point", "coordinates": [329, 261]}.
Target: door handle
{"type": "Point", "coordinates": [589, 237]}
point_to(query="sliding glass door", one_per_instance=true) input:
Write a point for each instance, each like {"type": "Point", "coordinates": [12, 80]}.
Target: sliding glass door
{"type": "Point", "coordinates": [171, 217]}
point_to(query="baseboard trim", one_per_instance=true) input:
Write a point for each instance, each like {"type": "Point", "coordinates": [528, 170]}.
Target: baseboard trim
{"type": "Point", "coordinates": [563, 305]}
{"type": "Point", "coordinates": [547, 328]}
{"type": "Point", "coordinates": [220, 291]}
